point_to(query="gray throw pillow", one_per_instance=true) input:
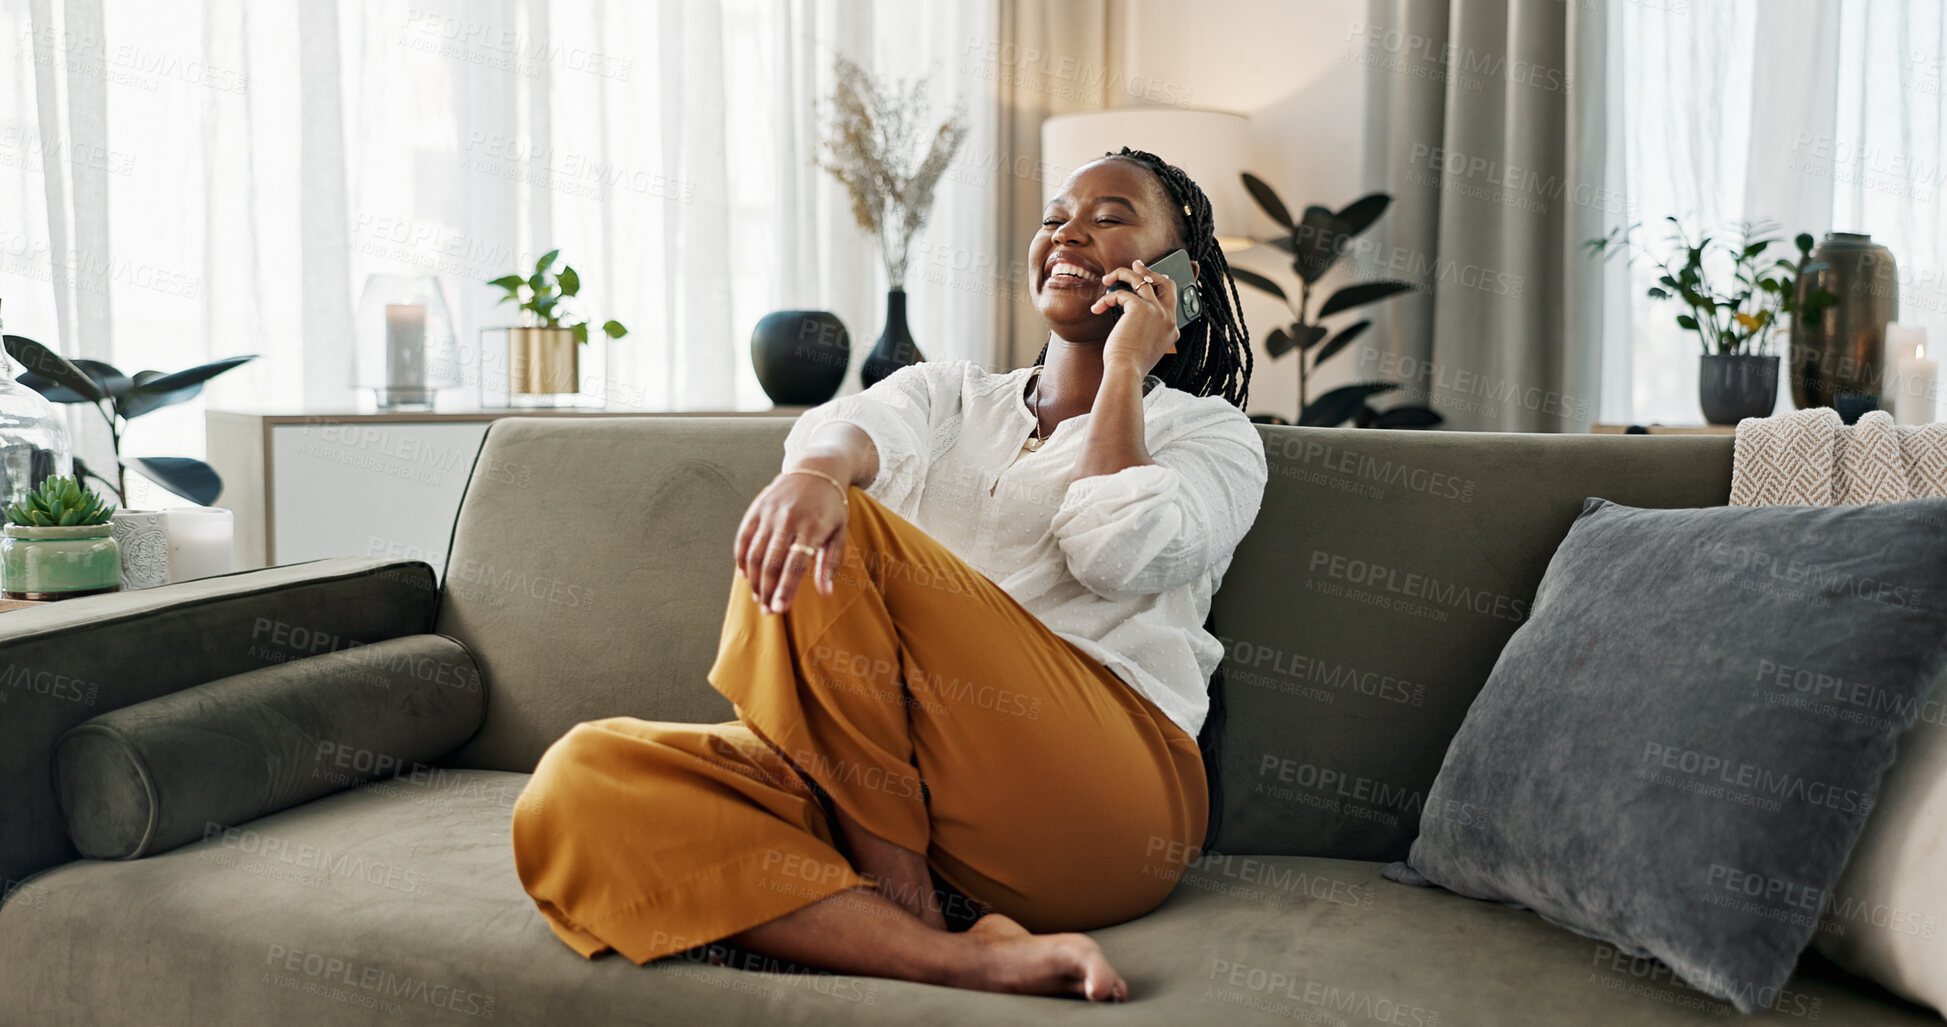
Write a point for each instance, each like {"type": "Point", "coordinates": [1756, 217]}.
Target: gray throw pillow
{"type": "Point", "coordinates": [1677, 751]}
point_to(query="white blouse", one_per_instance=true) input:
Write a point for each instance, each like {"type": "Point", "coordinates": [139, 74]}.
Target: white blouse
{"type": "Point", "coordinates": [1123, 565]}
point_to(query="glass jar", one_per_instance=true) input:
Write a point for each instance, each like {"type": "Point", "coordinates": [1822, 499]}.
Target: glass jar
{"type": "Point", "coordinates": [33, 439]}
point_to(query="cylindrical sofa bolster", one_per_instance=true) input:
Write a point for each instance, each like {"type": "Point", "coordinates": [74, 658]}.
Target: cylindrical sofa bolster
{"type": "Point", "coordinates": [149, 777]}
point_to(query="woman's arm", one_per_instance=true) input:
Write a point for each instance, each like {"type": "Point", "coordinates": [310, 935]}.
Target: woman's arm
{"type": "Point", "coordinates": [840, 449]}
{"type": "Point", "coordinates": [878, 440]}
{"type": "Point", "coordinates": [1156, 526]}
{"type": "Point", "coordinates": [1115, 437]}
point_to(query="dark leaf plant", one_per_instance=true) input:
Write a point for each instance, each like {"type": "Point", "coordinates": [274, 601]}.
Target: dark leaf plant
{"type": "Point", "coordinates": [120, 398]}
{"type": "Point", "coordinates": [1317, 241]}
{"type": "Point", "coordinates": [544, 293]}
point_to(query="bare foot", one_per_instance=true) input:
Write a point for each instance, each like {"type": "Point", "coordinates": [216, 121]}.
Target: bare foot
{"type": "Point", "coordinates": [1015, 961]}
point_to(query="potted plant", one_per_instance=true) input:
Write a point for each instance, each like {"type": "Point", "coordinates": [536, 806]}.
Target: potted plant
{"type": "Point", "coordinates": [543, 355]}
{"type": "Point", "coordinates": [1737, 374]}
{"type": "Point", "coordinates": [59, 544]}
{"type": "Point", "coordinates": [1316, 242]}
{"type": "Point", "coordinates": [875, 151]}
{"type": "Point", "coordinates": [120, 398]}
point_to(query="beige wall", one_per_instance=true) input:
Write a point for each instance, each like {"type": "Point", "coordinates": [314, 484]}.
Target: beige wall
{"type": "Point", "coordinates": [1288, 65]}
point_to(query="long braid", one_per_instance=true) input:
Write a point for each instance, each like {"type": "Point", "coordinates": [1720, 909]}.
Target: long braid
{"type": "Point", "coordinates": [1212, 358]}
{"type": "Point", "coordinates": [1213, 354]}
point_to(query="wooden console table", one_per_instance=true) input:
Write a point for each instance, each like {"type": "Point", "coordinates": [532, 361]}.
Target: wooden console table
{"type": "Point", "coordinates": [311, 485]}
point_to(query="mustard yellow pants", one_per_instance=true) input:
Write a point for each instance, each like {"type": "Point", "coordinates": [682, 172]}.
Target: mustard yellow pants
{"type": "Point", "coordinates": [927, 704]}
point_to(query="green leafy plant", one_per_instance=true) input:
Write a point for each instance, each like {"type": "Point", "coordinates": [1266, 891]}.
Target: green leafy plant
{"type": "Point", "coordinates": [1733, 320]}
{"type": "Point", "coordinates": [1317, 241]}
{"type": "Point", "coordinates": [61, 501]}
{"type": "Point", "coordinates": [119, 398]}
{"type": "Point", "coordinates": [544, 294]}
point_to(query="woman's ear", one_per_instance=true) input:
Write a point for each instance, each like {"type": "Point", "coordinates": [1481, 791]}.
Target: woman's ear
{"type": "Point", "coordinates": [1196, 271]}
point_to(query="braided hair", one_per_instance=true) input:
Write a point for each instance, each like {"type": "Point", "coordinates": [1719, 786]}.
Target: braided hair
{"type": "Point", "coordinates": [1212, 358]}
{"type": "Point", "coordinates": [1213, 353]}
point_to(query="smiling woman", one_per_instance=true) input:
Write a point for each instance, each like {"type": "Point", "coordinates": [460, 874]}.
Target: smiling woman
{"type": "Point", "coordinates": [977, 732]}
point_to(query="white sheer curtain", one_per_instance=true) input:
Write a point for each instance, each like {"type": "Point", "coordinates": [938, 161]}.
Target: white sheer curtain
{"type": "Point", "coordinates": [190, 180]}
{"type": "Point", "coordinates": [1819, 115]}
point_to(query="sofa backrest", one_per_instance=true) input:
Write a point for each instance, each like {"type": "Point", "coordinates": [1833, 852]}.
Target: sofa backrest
{"type": "Point", "coordinates": [591, 568]}
{"type": "Point", "coordinates": [1364, 610]}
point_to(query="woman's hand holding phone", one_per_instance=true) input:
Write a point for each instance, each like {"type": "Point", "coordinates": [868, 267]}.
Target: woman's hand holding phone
{"type": "Point", "coordinates": [1146, 329]}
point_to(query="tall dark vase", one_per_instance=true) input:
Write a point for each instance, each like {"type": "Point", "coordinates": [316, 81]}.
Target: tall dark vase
{"type": "Point", "coordinates": [1841, 351]}
{"type": "Point", "coordinates": [895, 349]}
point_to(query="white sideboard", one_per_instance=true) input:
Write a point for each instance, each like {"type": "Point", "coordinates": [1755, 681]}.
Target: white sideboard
{"type": "Point", "coordinates": [308, 486]}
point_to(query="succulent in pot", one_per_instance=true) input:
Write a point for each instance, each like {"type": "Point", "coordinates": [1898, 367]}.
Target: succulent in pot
{"type": "Point", "coordinates": [59, 544]}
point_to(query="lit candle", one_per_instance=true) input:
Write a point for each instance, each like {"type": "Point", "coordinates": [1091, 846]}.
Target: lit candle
{"type": "Point", "coordinates": [1919, 381]}
{"type": "Point", "coordinates": [405, 346]}
{"type": "Point", "coordinates": [1903, 343]}
{"type": "Point", "coordinates": [200, 540]}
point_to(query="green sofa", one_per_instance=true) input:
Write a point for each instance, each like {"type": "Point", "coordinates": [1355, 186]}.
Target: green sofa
{"type": "Point", "coordinates": [587, 578]}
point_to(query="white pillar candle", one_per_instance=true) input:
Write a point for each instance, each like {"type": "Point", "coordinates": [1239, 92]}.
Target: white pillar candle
{"type": "Point", "coordinates": [405, 346]}
{"type": "Point", "coordinates": [1902, 344]}
{"type": "Point", "coordinates": [200, 540]}
{"type": "Point", "coordinates": [1919, 385]}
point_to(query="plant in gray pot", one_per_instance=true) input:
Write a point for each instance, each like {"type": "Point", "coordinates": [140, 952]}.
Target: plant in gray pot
{"type": "Point", "coordinates": [1737, 374]}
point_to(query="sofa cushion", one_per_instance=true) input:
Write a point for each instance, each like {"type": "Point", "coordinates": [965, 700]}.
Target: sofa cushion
{"type": "Point", "coordinates": [397, 902]}
{"type": "Point", "coordinates": [1362, 613]}
{"type": "Point", "coordinates": [1642, 765]}
{"type": "Point", "coordinates": [149, 777]}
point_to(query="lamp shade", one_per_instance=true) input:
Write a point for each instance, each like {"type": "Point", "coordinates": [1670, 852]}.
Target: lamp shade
{"type": "Point", "coordinates": [1210, 146]}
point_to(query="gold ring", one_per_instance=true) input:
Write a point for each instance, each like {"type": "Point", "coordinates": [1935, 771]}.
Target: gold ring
{"type": "Point", "coordinates": [800, 547]}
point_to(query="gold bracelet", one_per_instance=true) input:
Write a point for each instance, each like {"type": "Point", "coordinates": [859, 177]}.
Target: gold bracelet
{"type": "Point", "coordinates": [844, 494]}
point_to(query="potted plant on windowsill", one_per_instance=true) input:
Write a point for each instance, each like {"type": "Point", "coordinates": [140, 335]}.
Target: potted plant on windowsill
{"type": "Point", "coordinates": [544, 355]}
{"type": "Point", "coordinates": [59, 544]}
{"type": "Point", "coordinates": [1737, 374]}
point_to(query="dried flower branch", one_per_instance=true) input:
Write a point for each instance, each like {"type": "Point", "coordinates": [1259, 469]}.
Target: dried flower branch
{"type": "Point", "coordinates": [872, 148]}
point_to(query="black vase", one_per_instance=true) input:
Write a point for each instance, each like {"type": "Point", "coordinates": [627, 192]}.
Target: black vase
{"type": "Point", "coordinates": [800, 356]}
{"type": "Point", "coordinates": [895, 349]}
{"type": "Point", "coordinates": [1732, 387]}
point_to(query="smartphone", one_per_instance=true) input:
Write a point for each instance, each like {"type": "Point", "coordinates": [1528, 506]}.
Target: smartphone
{"type": "Point", "coordinates": [1189, 303]}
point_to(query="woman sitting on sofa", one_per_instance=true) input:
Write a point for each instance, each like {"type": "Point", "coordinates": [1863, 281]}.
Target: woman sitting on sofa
{"type": "Point", "coordinates": [981, 709]}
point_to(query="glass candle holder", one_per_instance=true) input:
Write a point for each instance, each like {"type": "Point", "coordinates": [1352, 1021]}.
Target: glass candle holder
{"type": "Point", "coordinates": [407, 349]}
